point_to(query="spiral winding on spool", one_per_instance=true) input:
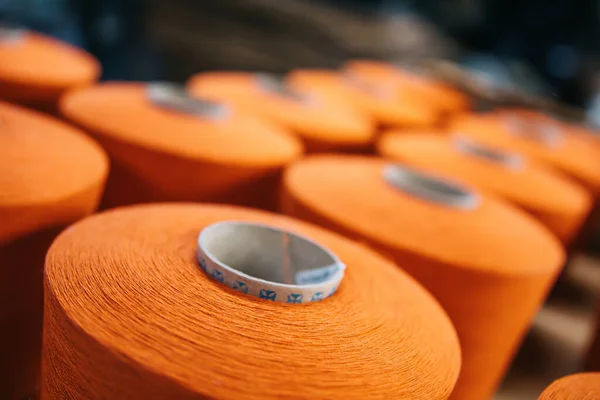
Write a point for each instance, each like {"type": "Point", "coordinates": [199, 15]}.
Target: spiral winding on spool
{"type": "Point", "coordinates": [489, 265]}
{"type": "Point", "coordinates": [509, 175]}
{"type": "Point", "coordinates": [37, 69]}
{"type": "Point", "coordinates": [193, 301]}
{"type": "Point", "coordinates": [50, 176]}
{"type": "Point", "coordinates": [167, 146]}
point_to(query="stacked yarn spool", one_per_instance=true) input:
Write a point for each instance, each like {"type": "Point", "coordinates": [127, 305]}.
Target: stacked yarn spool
{"type": "Point", "coordinates": [517, 179]}
{"type": "Point", "coordinates": [50, 176]}
{"type": "Point", "coordinates": [489, 265]}
{"type": "Point", "coordinates": [547, 142]}
{"type": "Point", "coordinates": [542, 139]}
{"type": "Point", "coordinates": [322, 123]}
{"type": "Point", "coordinates": [36, 69]}
{"type": "Point", "coordinates": [166, 146]}
{"type": "Point", "coordinates": [583, 386]}
{"type": "Point", "coordinates": [389, 108]}
{"type": "Point", "coordinates": [131, 314]}
{"type": "Point", "coordinates": [403, 79]}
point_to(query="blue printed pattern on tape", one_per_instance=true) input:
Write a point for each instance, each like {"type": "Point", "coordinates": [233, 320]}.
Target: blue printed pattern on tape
{"type": "Point", "coordinates": [292, 294]}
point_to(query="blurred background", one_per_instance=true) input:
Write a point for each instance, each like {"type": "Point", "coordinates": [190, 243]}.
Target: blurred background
{"type": "Point", "coordinates": [549, 48]}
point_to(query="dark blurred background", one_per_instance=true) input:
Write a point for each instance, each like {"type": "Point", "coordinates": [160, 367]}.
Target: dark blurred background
{"type": "Point", "coordinates": [549, 47]}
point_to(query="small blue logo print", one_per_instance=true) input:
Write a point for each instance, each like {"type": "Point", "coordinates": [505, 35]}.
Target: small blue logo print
{"type": "Point", "coordinates": [317, 296]}
{"type": "Point", "coordinates": [267, 294]}
{"type": "Point", "coordinates": [240, 286]}
{"type": "Point", "coordinates": [294, 298]}
{"type": "Point", "coordinates": [203, 264]}
{"type": "Point", "coordinates": [218, 275]}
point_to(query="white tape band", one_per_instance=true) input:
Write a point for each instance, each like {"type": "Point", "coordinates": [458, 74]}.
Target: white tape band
{"type": "Point", "coordinates": [268, 263]}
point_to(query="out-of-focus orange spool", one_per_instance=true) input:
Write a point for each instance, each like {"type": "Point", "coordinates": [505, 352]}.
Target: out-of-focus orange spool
{"type": "Point", "coordinates": [489, 264]}
{"type": "Point", "coordinates": [580, 132]}
{"type": "Point", "coordinates": [551, 198]}
{"type": "Point", "coordinates": [541, 138]}
{"type": "Point", "coordinates": [587, 134]}
{"type": "Point", "coordinates": [435, 92]}
{"type": "Point", "coordinates": [389, 109]}
{"type": "Point", "coordinates": [321, 122]}
{"type": "Point", "coordinates": [36, 69]}
{"type": "Point", "coordinates": [50, 176]}
{"type": "Point", "coordinates": [131, 315]}
{"type": "Point", "coordinates": [582, 386]}
{"type": "Point", "coordinates": [545, 142]}
{"type": "Point", "coordinates": [166, 147]}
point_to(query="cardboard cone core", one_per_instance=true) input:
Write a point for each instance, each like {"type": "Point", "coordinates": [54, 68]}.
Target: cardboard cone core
{"type": "Point", "coordinates": [174, 97]}
{"type": "Point", "coordinates": [277, 85]}
{"type": "Point", "coordinates": [471, 148]}
{"type": "Point", "coordinates": [430, 187]}
{"type": "Point", "coordinates": [268, 262]}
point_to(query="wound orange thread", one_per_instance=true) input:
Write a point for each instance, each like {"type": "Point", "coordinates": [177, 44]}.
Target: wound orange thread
{"type": "Point", "coordinates": [582, 386]}
{"type": "Point", "coordinates": [381, 102]}
{"type": "Point", "coordinates": [50, 176]}
{"type": "Point", "coordinates": [523, 182]}
{"type": "Point", "coordinates": [36, 69]}
{"type": "Point", "coordinates": [322, 123]}
{"type": "Point", "coordinates": [568, 154]}
{"type": "Point", "coordinates": [446, 98]}
{"type": "Point", "coordinates": [162, 154]}
{"type": "Point", "coordinates": [490, 266]}
{"type": "Point", "coordinates": [131, 315]}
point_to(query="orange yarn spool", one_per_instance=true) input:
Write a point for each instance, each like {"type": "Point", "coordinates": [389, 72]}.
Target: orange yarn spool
{"type": "Point", "coordinates": [551, 198]}
{"type": "Point", "coordinates": [166, 146]}
{"type": "Point", "coordinates": [322, 123]}
{"type": "Point", "coordinates": [581, 132]}
{"type": "Point", "coordinates": [488, 264]}
{"type": "Point", "coordinates": [582, 386]}
{"type": "Point", "coordinates": [389, 109]}
{"type": "Point", "coordinates": [36, 69]}
{"type": "Point", "coordinates": [545, 142]}
{"type": "Point", "coordinates": [435, 92]}
{"type": "Point", "coordinates": [131, 315]}
{"type": "Point", "coordinates": [50, 176]}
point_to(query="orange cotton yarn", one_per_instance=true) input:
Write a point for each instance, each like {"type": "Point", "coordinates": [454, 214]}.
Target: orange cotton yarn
{"type": "Point", "coordinates": [585, 134]}
{"type": "Point", "coordinates": [37, 69]}
{"type": "Point", "coordinates": [403, 109]}
{"type": "Point", "coordinates": [489, 267]}
{"type": "Point", "coordinates": [568, 154]}
{"type": "Point", "coordinates": [130, 315]}
{"type": "Point", "coordinates": [436, 93]}
{"type": "Point", "coordinates": [551, 198]}
{"type": "Point", "coordinates": [582, 386]}
{"type": "Point", "coordinates": [160, 155]}
{"type": "Point", "coordinates": [322, 123]}
{"type": "Point", "coordinates": [50, 176]}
